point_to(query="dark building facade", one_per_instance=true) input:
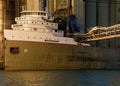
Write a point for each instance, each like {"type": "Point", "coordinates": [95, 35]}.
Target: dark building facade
{"type": "Point", "coordinates": [101, 13]}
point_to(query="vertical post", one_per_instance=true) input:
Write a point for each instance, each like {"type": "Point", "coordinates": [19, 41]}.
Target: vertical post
{"type": "Point", "coordinates": [55, 6]}
{"type": "Point", "coordinates": [1, 34]}
{"type": "Point", "coordinates": [1, 17]}
{"type": "Point", "coordinates": [68, 18]}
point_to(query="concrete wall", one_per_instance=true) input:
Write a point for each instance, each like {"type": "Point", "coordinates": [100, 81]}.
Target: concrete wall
{"type": "Point", "coordinates": [103, 13]}
{"type": "Point", "coordinates": [90, 13]}
{"type": "Point", "coordinates": [113, 13]}
{"type": "Point", "coordinates": [117, 11]}
{"type": "Point", "coordinates": [79, 11]}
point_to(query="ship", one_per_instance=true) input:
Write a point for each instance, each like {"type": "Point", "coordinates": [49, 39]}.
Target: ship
{"type": "Point", "coordinates": [36, 43]}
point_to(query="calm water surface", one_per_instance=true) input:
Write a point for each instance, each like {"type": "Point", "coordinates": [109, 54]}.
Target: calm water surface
{"type": "Point", "coordinates": [60, 78]}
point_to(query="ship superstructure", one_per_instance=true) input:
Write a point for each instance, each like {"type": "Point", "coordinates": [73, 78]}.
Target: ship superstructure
{"type": "Point", "coordinates": [37, 26]}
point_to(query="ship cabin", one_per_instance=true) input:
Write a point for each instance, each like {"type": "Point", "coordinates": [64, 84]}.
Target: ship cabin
{"type": "Point", "coordinates": [36, 21]}
{"type": "Point", "coordinates": [34, 13]}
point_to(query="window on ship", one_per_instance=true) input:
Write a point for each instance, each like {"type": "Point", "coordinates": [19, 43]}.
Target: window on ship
{"type": "Point", "coordinates": [14, 50]}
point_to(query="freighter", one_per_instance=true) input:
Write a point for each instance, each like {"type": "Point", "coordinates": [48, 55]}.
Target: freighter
{"type": "Point", "coordinates": [35, 43]}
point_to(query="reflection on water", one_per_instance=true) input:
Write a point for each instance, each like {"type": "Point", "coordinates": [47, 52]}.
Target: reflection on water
{"type": "Point", "coordinates": [60, 78]}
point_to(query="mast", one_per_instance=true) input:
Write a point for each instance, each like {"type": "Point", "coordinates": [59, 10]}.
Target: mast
{"type": "Point", "coordinates": [68, 18]}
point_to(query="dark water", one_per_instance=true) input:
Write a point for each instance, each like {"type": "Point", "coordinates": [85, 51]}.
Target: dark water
{"type": "Point", "coordinates": [60, 78]}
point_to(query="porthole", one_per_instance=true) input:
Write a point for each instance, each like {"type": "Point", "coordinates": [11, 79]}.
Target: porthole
{"type": "Point", "coordinates": [35, 29]}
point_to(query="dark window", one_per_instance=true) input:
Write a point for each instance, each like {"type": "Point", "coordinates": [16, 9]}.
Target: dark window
{"type": "Point", "coordinates": [14, 50]}
{"type": "Point", "coordinates": [119, 10]}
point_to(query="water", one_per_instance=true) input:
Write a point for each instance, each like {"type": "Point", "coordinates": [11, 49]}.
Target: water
{"type": "Point", "coordinates": [60, 78]}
